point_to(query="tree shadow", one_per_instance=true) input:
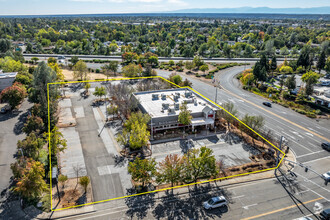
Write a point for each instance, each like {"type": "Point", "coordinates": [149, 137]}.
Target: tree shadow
{"type": "Point", "coordinates": [82, 199]}
{"type": "Point", "coordinates": [173, 206]}
{"type": "Point", "coordinates": [20, 123]}
{"type": "Point", "coordinates": [9, 115]}
{"type": "Point", "coordinates": [138, 206]}
{"type": "Point", "coordinates": [120, 161]}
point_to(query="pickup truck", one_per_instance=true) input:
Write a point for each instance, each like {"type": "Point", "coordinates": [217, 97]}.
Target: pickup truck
{"type": "Point", "coordinates": [4, 107]}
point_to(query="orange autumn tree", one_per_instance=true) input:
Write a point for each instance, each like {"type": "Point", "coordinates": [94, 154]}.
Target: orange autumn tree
{"type": "Point", "coordinates": [30, 178]}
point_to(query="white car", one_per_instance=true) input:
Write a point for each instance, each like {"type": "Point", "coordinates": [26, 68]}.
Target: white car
{"type": "Point", "coordinates": [215, 202]}
{"type": "Point", "coordinates": [326, 176]}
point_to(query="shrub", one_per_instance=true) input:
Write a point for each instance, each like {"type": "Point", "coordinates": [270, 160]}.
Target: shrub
{"type": "Point", "coordinates": [97, 71]}
{"type": "Point", "coordinates": [286, 69]}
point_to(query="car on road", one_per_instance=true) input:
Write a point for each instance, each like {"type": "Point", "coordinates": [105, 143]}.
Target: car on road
{"type": "Point", "coordinates": [215, 202]}
{"type": "Point", "coordinates": [326, 176]}
{"type": "Point", "coordinates": [267, 104]}
{"type": "Point", "coordinates": [325, 214]}
{"type": "Point", "coordinates": [326, 146]}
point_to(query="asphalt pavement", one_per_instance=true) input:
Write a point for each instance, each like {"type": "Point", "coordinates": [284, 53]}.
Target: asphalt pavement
{"type": "Point", "coordinates": [304, 134]}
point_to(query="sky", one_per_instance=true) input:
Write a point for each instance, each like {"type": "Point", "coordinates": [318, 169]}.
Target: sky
{"type": "Point", "coordinates": [45, 7]}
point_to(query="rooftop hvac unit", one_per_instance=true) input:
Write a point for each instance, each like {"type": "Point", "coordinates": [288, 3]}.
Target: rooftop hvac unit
{"type": "Point", "coordinates": [177, 106]}
{"type": "Point", "coordinates": [154, 96]}
{"type": "Point", "coordinates": [171, 110]}
{"type": "Point", "coordinates": [188, 94]}
{"type": "Point", "coordinates": [163, 96]}
{"type": "Point", "coordinates": [165, 105]}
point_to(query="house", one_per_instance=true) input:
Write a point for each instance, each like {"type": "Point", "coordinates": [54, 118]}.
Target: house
{"type": "Point", "coordinates": [163, 106]}
{"type": "Point", "coordinates": [6, 79]}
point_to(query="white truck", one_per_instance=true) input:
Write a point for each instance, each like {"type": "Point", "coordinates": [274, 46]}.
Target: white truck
{"type": "Point", "coordinates": [4, 107]}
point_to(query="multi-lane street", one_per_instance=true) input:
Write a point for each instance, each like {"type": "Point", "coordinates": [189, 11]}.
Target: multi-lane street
{"type": "Point", "coordinates": [264, 199]}
{"type": "Point", "coordinates": [305, 135]}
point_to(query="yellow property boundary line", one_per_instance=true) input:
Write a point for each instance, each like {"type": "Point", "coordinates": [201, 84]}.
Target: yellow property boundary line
{"type": "Point", "coordinates": [158, 190]}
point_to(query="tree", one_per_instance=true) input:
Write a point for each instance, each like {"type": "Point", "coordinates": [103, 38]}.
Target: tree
{"type": "Point", "coordinates": [129, 57]}
{"type": "Point", "coordinates": [259, 72]}
{"type": "Point", "coordinates": [310, 78]}
{"type": "Point", "coordinates": [34, 60]}
{"type": "Point", "coordinates": [176, 79]}
{"type": "Point", "coordinates": [199, 163]}
{"type": "Point", "coordinates": [74, 60]}
{"type": "Point", "coordinates": [142, 170]}
{"type": "Point", "coordinates": [100, 91]}
{"type": "Point", "coordinates": [189, 65]}
{"type": "Point", "coordinates": [31, 145]}
{"type": "Point", "coordinates": [57, 69]}
{"type": "Point", "coordinates": [87, 87]}
{"type": "Point", "coordinates": [153, 60]}
{"type": "Point", "coordinates": [184, 115]}
{"type": "Point", "coordinates": [254, 122]}
{"type": "Point", "coordinates": [42, 76]}
{"type": "Point", "coordinates": [139, 135]}
{"type": "Point", "coordinates": [264, 62]}
{"type": "Point", "coordinates": [57, 142]}
{"type": "Point", "coordinates": [112, 110]}
{"type": "Point", "coordinates": [170, 170]}
{"type": "Point", "coordinates": [321, 61]}
{"type": "Point", "coordinates": [51, 60]}
{"type": "Point", "coordinates": [291, 82]}
{"type": "Point", "coordinates": [84, 181]}
{"type": "Point", "coordinates": [31, 182]}
{"type": "Point", "coordinates": [5, 45]}
{"type": "Point", "coordinates": [204, 68]}
{"type": "Point", "coordinates": [229, 107]}
{"type": "Point", "coordinates": [62, 179]}
{"type": "Point", "coordinates": [136, 132]}
{"type": "Point", "coordinates": [33, 123]}
{"type": "Point", "coordinates": [132, 70]}
{"type": "Point", "coordinates": [80, 70]}
{"type": "Point", "coordinates": [14, 94]}
{"type": "Point", "coordinates": [304, 59]}
{"type": "Point", "coordinates": [327, 65]}
{"type": "Point", "coordinates": [273, 64]}
{"type": "Point", "coordinates": [198, 61]}
{"type": "Point", "coordinates": [113, 66]}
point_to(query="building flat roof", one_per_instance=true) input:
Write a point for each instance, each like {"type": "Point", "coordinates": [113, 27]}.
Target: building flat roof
{"type": "Point", "coordinates": [164, 103]}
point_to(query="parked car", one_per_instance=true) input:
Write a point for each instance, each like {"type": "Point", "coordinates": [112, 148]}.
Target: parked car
{"type": "Point", "coordinates": [326, 176]}
{"type": "Point", "coordinates": [215, 202]}
{"type": "Point", "coordinates": [325, 214]}
{"type": "Point", "coordinates": [326, 146]}
{"type": "Point", "coordinates": [4, 107]}
{"type": "Point", "coordinates": [267, 104]}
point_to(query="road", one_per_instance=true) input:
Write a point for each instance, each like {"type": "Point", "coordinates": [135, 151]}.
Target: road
{"type": "Point", "coordinates": [103, 57]}
{"type": "Point", "coordinates": [265, 199]}
{"type": "Point", "coordinates": [304, 134]}
{"type": "Point", "coordinates": [11, 125]}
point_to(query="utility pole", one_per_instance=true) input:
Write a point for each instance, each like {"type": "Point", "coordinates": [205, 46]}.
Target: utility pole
{"type": "Point", "coordinates": [278, 152]}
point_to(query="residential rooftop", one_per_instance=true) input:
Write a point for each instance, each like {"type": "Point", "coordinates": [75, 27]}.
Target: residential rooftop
{"type": "Point", "coordinates": [162, 103]}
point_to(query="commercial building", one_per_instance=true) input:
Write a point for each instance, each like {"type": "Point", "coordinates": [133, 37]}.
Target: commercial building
{"type": "Point", "coordinates": [6, 79]}
{"type": "Point", "coordinates": [163, 106]}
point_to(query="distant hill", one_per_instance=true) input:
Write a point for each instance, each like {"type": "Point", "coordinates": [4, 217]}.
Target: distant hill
{"type": "Point", "coordinates": [262, 10]}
